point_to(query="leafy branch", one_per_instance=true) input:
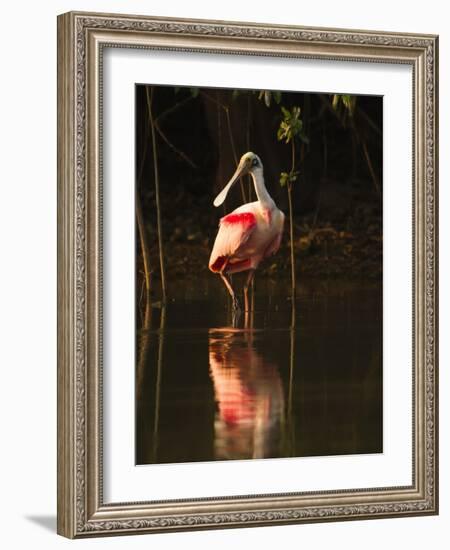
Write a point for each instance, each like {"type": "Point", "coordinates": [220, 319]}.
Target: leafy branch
{"type": "Point", "coordinates": [290, 129]}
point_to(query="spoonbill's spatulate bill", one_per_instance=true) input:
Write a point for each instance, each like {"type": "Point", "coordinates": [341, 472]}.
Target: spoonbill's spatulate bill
{"type": "Point", "coordinates": [250, 233]}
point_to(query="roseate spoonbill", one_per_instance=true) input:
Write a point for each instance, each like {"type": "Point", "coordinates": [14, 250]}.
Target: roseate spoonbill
{"type": "Point", "coordinates": [250, 233]}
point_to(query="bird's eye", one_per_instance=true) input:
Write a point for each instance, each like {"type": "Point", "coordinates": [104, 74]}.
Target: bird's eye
{"type": "Point", "coordinates": [255, 162]}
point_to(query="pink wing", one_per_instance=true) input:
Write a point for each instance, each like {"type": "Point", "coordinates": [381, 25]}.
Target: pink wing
{"type": "Point", "coordinates": [273, 246]}
{"type": "Point", "coordinates": [234, 231]}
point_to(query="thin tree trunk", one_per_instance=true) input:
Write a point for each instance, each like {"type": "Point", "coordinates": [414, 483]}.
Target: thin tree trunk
{"type": "Point", "coordinates": [161, 335]}
{"type": "Point", "coordinates": [325, 149]}
{"type": "Point", "coordinates": [249, 189]}
{"type": "Point", "coordinates": [290, 417]}
{"type": "Point", "coordinates": [291, 236]}
{"type": "Point", "coordinates": [144, 245]}
{"type": "Point", "coordinates": [142, 351]}
{"type": "Point", "coordinates": [226, 108]}
{"type": "Point", "coordinates": [370, 166]}
{"type": "Point", "coordinates": [158, 204]}
{"type": "Point", "coordinates": [143, 240]}
{"type": "Point", "coordinates": [233, 147]}
{"type": "Point", "coordinates": [291, 225]}
{"type": "Point", "coordinates": [247, 139]}
{"type": "Point", "coordinates": [362, 140]}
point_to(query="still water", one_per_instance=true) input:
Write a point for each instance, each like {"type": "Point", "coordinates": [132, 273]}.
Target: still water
{"type": "Point", "coordinates": [302, 379]}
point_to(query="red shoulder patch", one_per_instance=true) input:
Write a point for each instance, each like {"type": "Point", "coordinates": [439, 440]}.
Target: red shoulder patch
{"type": "Point", "coordinates": [246, 218]}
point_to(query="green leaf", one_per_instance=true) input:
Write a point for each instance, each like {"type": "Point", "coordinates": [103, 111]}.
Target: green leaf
{"type": "Point", "coordinates": [266, 95]}
{"type": "Point", "coordinates": [335, 101]}
{"type": "Point", "coordinates": [284, 132]}
{"type": "Point", "coordinates": [288, 177]}
{"type": "Point", "coordinates": [293, 176]}
{"type": "Point", "coordinates": [350, 102]}
{"type": "Point", "coordinates": [347, 100]}
{"type": "Point", "coordinates": [277, 97]}
{"type": "Point", "coordinates": [195, 92]}
{"type": "Point", "coordinates": [291, 124]}
{"type": "Point", "coordinates": [284, 178]}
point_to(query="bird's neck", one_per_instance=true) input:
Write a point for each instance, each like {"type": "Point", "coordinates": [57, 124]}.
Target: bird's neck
{"type": "Point", "coordinates": [261, 192]}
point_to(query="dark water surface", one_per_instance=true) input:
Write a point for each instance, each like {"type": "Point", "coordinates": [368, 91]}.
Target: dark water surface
{"type": "Point", "coordinates": [283, 381]}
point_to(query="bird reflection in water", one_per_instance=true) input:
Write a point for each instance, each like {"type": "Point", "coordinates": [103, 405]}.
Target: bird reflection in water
{"type": "Point", "coordinates": [249, 397]}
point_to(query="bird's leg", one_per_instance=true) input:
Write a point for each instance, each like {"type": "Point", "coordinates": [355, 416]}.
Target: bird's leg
{"type": "Point", "coordinates": [226, 282]}
{"type": "Point", "coordinates": [247, 284]}
{"type": "Point", "coordinates": [235, 317]}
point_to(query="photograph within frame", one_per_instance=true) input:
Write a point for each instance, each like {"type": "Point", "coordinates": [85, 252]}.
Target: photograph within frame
{"type": "Point", "coordinates": [278, 377]}
{"type": "Point", "coordinates": [83, 510]}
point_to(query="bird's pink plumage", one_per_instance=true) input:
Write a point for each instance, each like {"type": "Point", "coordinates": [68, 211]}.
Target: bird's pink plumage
{"type": "Point", "coordinates": [235, 229]}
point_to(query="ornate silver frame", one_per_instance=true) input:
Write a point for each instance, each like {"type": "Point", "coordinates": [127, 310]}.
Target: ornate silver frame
{"type": "Point", "coordinates": [81, 510]}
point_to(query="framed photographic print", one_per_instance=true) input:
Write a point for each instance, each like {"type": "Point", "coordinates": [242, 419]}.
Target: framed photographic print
{"type": "Point", "coordinates": [247, 276]}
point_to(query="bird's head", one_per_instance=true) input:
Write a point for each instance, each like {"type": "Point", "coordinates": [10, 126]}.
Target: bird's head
{"type": "Point", "coordinates": [249, 163]}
